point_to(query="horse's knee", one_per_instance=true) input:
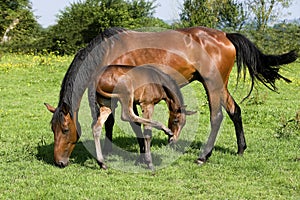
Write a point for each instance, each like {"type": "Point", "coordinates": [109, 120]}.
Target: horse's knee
{"type": "Point", "coordinates": [97, 131]}
{"type": "Point", "coordinates": [217, 118]}
{"type": "Point", "coordinates": [147, 133]}
{"type": "Point", "coordinates": [127, 116]}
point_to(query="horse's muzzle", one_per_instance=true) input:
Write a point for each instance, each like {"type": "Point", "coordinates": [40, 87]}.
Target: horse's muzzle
{"type": "Point", "coordinates": [172, 139]}
{"type": "Point", "coordinates": [61, 164]}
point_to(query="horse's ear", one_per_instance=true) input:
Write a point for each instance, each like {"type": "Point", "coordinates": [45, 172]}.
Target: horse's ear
{"type": "Point", "coordinates": [65, 108]}
{"type": "Point", "coordinates": [50, 108]}
{"type": "Point", "coordinates": [189, 112]}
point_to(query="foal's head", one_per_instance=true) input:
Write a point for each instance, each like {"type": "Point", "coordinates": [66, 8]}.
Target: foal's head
{"type": "Point", "coordinates": [177, 120]}
{"type": "Point", "coordinates": [65, 133]}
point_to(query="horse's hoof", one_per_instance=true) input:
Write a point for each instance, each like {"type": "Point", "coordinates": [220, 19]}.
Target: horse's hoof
{"type": "Point", "coordinates": [171, 140]}
{"type": "Point", "coordinates": [151, 167]}
{"type": "Point", "coordinates": [240, 153]}
{"type": "Point", "coordinates": [102, 165]}
{"type": "Point", "coordinates": [200, 161]}
{"type": "Point", "coordinates": [169, 133]}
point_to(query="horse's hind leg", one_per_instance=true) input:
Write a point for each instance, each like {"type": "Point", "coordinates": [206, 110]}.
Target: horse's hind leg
{"type": "Point", "coordinates": [104, 113]}
{"type": "Point", "coordinates": [234, 112]}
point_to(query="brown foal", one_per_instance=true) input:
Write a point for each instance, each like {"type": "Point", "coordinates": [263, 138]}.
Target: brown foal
{"type": "Point", "coordinates": [144, 86]}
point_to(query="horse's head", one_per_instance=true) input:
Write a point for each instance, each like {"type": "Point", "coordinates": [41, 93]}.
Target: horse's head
{"type": "Point", "coordinates": [177, 120]}
{"type": "Point", "coordinates": [65, 133]}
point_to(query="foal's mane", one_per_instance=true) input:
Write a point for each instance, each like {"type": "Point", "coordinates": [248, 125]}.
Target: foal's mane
{"type": "Point", "coordinates": [81, 69]}
{"type": "Point", "coordinates": [171, 88]}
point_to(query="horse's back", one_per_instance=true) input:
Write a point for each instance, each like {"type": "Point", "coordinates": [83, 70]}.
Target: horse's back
{"type": "Point", "coordinates": [179, 52]}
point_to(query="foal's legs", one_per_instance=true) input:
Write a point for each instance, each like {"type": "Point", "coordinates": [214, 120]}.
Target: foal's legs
{"type": "Point", "coordinates": [136, 127]}
{"type": "Point", "coordinates": [97, 128]}
{"type": "Point", "coordinates": [129, 115]}
{"type": "Point", "coordinates": [147, 114]}
{"type": "Point", "coordinates": [234, 113]}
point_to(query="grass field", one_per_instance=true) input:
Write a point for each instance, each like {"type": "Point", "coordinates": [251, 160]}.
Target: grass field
{"type": "Point", "coordinates": [269, 169]}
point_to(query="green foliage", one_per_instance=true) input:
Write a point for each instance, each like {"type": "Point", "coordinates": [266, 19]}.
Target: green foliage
{"type": "Point", "coordinates": [18, 26]}
{"type": "Point", "coordinates": [232, 16]}
{"type": "Point", "coordinates": [280, 38]}
{"type": "Point", "coordinates": [269, 168]}
{"type": "Point", "coordinates": [289, 127]}
{"type": "Point", "coordinates": [9, 11]}
{"type": "Point", "coordinates": [79, 23]}
{"type": "Point", "coordinates": [265, 11]}
{"type": "Point", "coordinates": [214, 14]}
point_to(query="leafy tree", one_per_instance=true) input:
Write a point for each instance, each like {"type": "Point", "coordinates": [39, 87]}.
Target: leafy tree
{"type": "Point", "coordinates": [232, 16]}
{"type": "Point", "coordinates": [266, 11]}
{"type": "Point", "coordinates": [83, 20]}
{"type": "Point", "coordinates": [282, 37]}
{"type": "Point", "coordinates": [10, 12]}
{"type": "Point", "coordinates": [196, 12]}
{"type": "Point", "coordinates": [18, 26]}
{"type": "Point", "coordinates": [213, 13]}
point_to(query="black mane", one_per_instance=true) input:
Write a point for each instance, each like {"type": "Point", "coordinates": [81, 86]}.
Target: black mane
{"type": "Point", "coordinates": [83, 59]}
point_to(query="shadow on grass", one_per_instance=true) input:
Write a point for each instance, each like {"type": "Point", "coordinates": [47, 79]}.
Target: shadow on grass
{"type": "Point", "coordinates": [80, 154]}
{"type": "Point", "coordinates": [85, 150]}
{"type": "Point", "coordinates": [126, 149]}
{"type": "Point", "coordinates": [196, 145]}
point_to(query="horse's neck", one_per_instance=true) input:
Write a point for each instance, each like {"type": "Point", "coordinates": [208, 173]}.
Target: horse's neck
{"type": "Point", "coordinates": [174, 98]}
{"type": "Point", "coordinates": [173, 102]}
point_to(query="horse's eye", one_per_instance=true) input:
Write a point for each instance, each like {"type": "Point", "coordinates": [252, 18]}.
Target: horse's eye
{"type": "Point", "coordinates": [175, 121]}
{"type": "Point", "coordinates": [65, 131]}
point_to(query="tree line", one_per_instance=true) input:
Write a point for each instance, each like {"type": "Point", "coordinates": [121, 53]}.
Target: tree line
{"type": "Point", "coordinates": [81, 21]}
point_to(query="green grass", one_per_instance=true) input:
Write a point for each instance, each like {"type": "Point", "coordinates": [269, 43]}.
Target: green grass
{"type": "Point", "coordinates": [269, 168]}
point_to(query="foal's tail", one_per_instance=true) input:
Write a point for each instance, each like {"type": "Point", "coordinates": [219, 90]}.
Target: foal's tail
{"type": "Point", "coordinates": [107, 94]}
{"type": "Point", "coordinates": [264, 68]}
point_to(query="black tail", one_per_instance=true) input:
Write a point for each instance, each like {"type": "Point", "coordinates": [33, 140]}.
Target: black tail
{"type": "Point", "coordinates": [264, 68]}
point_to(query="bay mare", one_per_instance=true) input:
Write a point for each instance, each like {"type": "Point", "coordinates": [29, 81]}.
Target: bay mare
{"type": "Point", "coordinates": [190, 54]}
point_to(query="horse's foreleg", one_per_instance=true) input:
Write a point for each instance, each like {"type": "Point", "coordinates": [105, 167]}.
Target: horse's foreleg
{"type": "Point", "coordinates": [104, 113]}
{"type": "Point", "coordinates": [109, 124]}
{"type": "Point", "coordinates": [216, 118]}
{"type": "Point", "coordinates": [147, 140]}
{"type": "Point", "coordinates": [129, 115]}
{"type": "Point", "coordinates": [234, 113]}
{"type": "Point", "coordinates": [151, 123]}
{"type": "Point", "coordinates": [136, 127]}
{"type": "Point", "coordinates": [147, 114]}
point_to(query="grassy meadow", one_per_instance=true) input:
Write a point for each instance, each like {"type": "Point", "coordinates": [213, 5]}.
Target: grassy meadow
{"type": "Point", "coordinates": [269, 169]}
